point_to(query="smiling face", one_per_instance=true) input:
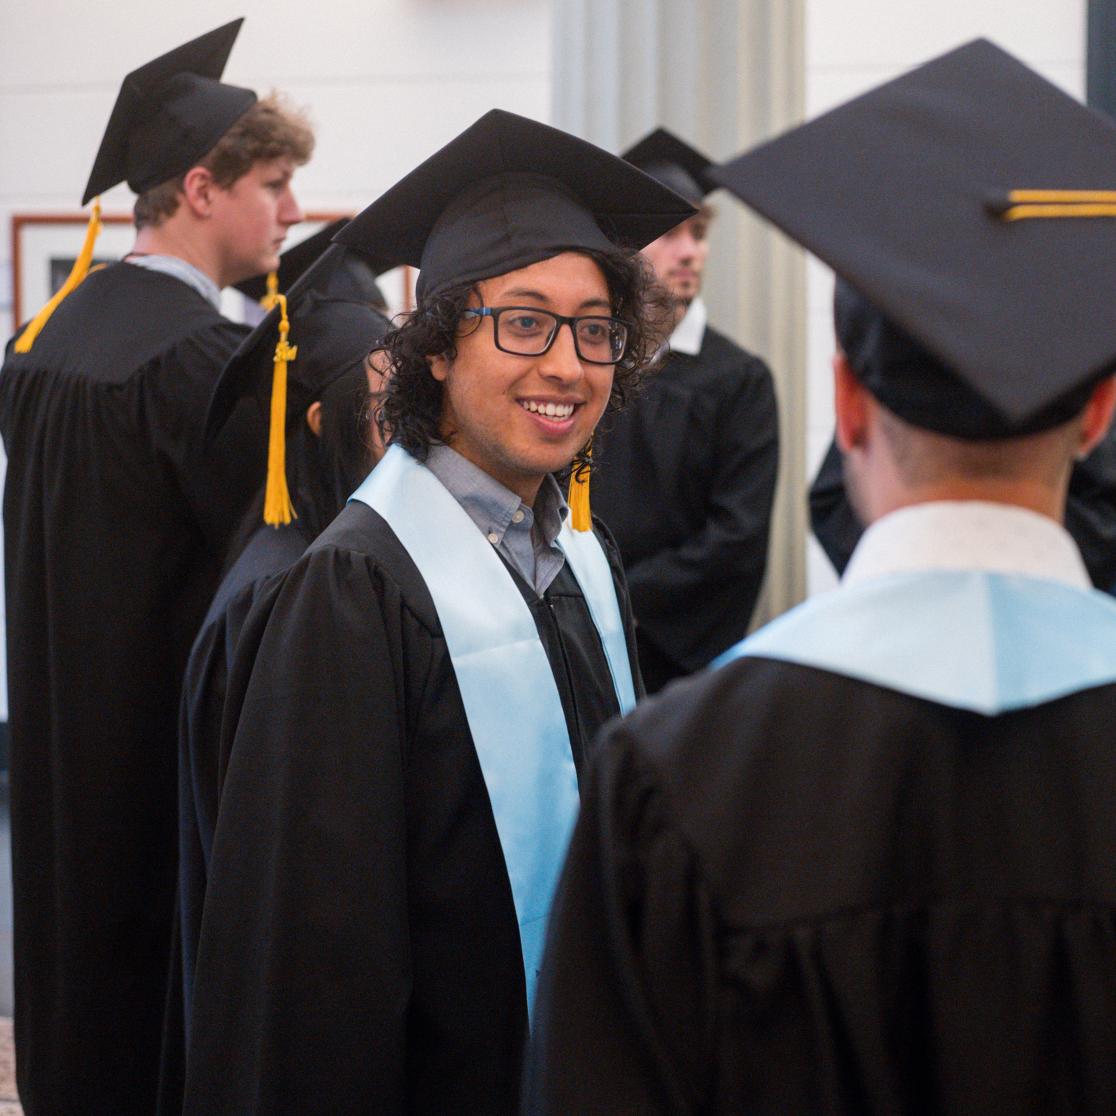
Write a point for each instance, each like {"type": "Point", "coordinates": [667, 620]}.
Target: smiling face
{"type": "Point", "coordinates": [251, 219]}
{"type": "Point", "coordinates": [521, 417]}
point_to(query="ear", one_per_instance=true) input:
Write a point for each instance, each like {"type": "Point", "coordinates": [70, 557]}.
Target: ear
{"type": "Point", "coordinates": [439, 366]}
{"type": "Point", "coordinates": [198, 187]}
{"type": "Point", "coordinates": [850, 403]}
{"type": "Point", "coordinates": [314, 418]}
{"type": "Point", "coordinates": [1097, 416]}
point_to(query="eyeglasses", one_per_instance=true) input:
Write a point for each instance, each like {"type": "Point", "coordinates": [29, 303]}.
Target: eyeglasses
{"type": "Point", "coordinates": [527, 331]}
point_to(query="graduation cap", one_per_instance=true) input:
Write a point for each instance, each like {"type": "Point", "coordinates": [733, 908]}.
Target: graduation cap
{"type": "Point", "coordinates": [168, 114]}
{"type": "Point", "coordinates": [673, 162]}
{"type": "Point", "coordinates": [969, 210]}
{"type": "Point", "coordinates": [506, 193]}
{"type": "Point", "coordinates": [312, 336]}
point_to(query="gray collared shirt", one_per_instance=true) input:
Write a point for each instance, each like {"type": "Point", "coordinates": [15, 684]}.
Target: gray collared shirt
{"type": "Point", "coordinates": [523, 536]}
{"type": "Point", "coordinates": [183, 271]}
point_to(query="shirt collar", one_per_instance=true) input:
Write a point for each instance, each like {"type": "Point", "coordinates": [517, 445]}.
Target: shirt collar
{"type": "Point", "coordinates": [181, 270]}
{"type": "Point", "coordinates": [490, 505]}
{"type": "Point", "coordinates": [690, 331]}
{"type": "Point", "coordinates": [967, 535]}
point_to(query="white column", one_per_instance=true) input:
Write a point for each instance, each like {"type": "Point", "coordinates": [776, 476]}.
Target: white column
{"type": "Point", "coordinates": [724, 74]}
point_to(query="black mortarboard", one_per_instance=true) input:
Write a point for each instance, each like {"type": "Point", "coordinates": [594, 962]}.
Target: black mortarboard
{"type": "Point", "coordinates": [333, 325]}
{"type": "Point", "coordinates": [971, 305]}
{"type": "Point", "coordinates": [674, 163]}
{"type": "Point", "coordinates": [168, 114]}
{"type": "Point", "coordinates": [329, 333]}
{"type": "Point", "coordinates": [506, 193]}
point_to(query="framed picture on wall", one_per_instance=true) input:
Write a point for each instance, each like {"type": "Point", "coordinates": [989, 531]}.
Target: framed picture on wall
{"type": "Point", "coordinates": [45, 245]}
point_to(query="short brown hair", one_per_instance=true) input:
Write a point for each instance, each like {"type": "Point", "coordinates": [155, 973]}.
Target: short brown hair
{"type": "Point", "coordinates": [925, 458]}
{"type": "Point", "coordinates": [270, 129]}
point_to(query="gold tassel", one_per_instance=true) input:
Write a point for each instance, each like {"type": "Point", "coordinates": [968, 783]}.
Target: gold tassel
{"type": "Point", "coordinates": [1062, 197]}
{"type": "Point", "coordinates": [77, 273]}
{"type": "Point", "coordinates": [578, 498]}
{"type": "Point", "coordinates": [1021, 205]}
{"type": "Point", "coordinates": [278, 508]}
{"type": "Point", "coordinates": [272, 297]}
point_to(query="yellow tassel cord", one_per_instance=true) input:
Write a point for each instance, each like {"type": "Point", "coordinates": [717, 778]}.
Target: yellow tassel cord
{"type": "Point", "coordinates": [278, 508]}
{"type": "Point", "coordinates": [1063, 197]}
{"type": "Point", "coordinates": [77, 273]}
{"type": "Point", "coordinates": [578, 499]}
{"type": "Point", "coordinates": [272, 297]}
{"type": "Point", "coordinates": [1030, 204]}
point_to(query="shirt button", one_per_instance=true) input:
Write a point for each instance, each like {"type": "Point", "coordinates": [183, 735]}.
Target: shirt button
{"type": "Point", "coordinates": [493, 537]}
{"type": "Point", "coordinates": [518, 517]}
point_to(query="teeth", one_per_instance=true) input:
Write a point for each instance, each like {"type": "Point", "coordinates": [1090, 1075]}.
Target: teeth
{"type": "Point", "coordinates": [550, 410]}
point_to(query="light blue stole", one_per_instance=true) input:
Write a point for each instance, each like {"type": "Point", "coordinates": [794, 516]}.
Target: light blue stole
{"type": "Point", "coordinates": [507, 687]}
{"type": "Point", "coordinates": [987, 642]}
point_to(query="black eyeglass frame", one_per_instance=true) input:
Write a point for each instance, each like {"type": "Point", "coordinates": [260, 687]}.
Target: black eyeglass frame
{"type": "Point", "coordinates": [494, 313]}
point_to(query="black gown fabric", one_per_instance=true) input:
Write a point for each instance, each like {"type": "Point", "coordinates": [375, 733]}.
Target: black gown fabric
{"type": "Point", "coordinates": [115, 528]}
{"type": "Point", "coordinates": [269, 551]}
{"type": "Point", "coordinates": [359, 948]}
{"type": "Point", "coordinates": [793, 892]}
{"type": "Point", "coordinates": [1090, 512]}
{"type": "Point", "coordinates": [684, 479]}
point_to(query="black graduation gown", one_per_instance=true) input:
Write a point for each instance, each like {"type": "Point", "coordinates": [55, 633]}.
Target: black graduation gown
{"type": "Point", "coordinates": [1090, 512]}
{"type": "Point", "coordinates": [115, 526]}
{"type": "Point", "coordinates": [685, 478]}
{"type": "Point", "coordinates": [793, 892]}
{"type": "Point", "coordinates": [359, 948]}
{"type": "Point", "coordinates": [201, 765]}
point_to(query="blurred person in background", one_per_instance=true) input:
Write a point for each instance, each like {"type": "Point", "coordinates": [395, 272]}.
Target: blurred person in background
{"type": "Point", "coordinates": [686, 473]}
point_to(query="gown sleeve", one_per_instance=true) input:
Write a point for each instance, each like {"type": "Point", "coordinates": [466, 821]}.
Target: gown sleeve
{"type": "Point", "coordinates": [199, 720]}
{"type": "Point", "coordinates": [303, 969]}
{"type": "Point", "coordinates": [626, 1010]}
{"type": "Point", "coordinates": [201, 764]}
{"type": "Point", "coordinates": [219, 480]}
{"type": "Point", "coordinates": [682, 594]}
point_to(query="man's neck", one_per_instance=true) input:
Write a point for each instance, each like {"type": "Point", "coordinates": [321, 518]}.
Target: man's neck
{"type": "Point", "coordinates": [169, 239]}
{"type": "Point", "coordinates": [1040, 498]}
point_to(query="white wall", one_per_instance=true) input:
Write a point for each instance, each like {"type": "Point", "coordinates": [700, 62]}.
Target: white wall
{"type": "Point", "coordinates": [386, 82]}
{"type": "Point", "coordinates": [852, 45]}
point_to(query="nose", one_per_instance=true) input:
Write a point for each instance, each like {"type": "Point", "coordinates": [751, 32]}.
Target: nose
{"type": "Point", "coordinates": [290, 212]}
{"type": "Point", "coordinates": [560, 362]}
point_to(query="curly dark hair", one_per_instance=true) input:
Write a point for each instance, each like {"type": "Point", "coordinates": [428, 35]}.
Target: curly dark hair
{"type": "Point", "coordinates": [411, 413]}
